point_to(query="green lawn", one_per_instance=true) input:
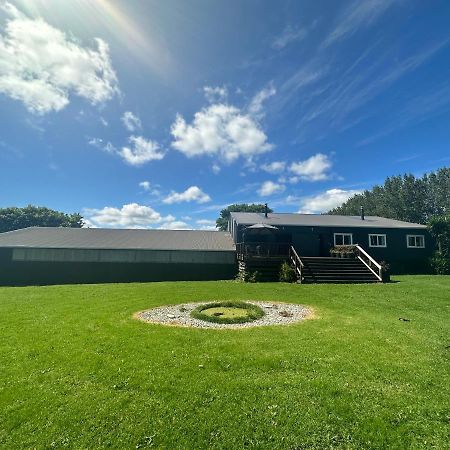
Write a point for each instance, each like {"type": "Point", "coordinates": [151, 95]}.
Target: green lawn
{"type": "Point", "coordinates": [77, 371]}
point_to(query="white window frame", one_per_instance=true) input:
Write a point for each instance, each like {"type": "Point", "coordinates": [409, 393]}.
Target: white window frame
{"type": "Point", "coordinates": [415, 236]}
{"type": "Point", "coordinates": [343, 234]}
{"type": "Point", "coordinates": [378, 235]}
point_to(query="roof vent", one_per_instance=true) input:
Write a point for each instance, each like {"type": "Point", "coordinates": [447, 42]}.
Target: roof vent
{"type": "Point", "coordinates": [362, 212]}
{"type": "Point", "coordinates": [266, 210]}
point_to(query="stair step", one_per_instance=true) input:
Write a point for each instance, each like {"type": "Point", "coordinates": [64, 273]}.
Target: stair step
{"type": "Point", "coordinates": [336, 270]}
{"type": "Point", "coordinates": [340, 281]}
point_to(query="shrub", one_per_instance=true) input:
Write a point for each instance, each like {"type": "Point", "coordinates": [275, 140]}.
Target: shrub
{"type": "Point", "coordinates": [248, 276]}
{"type": "Point", "coordinates": [385, 271]}
{"type": "Point", "coordinates": [254, 312]}
{"type": "Point", "coordinates": [440, 263]}
{"type": "Point", "coordinates": [287, 273]}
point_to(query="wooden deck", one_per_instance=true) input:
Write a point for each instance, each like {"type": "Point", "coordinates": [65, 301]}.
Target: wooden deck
{"type": "Point", "coordinates": [267, 258]}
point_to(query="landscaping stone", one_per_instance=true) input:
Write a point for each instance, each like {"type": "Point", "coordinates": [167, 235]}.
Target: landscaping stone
{"type": "Point", "coordinates": [180, 315]}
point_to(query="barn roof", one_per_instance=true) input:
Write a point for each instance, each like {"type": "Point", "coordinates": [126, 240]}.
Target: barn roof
{"type": "Point", "coordinates": [321, 220]}
{"type": "Point", "coordinates": [120, 239]}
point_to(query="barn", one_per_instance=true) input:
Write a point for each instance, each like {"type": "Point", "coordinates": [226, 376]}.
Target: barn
{"type": "Point", "coordinates": [89, 255]}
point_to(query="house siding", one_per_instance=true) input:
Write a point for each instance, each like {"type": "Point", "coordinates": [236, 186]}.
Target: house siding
{"type": "Point", "coordinates": [317, 241]}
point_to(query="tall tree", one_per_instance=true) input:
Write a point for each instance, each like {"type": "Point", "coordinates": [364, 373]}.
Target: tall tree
{"type": "Point", "coordinates": [222, 221]}
{"type": "Point", "coordinates": [404, 197]}
{"type": "Point", "coordinates": [14, 218]}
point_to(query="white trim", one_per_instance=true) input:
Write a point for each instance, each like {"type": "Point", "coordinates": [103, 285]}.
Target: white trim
{"type": "Point", "coordinates": [415, 236]}
{"type": "Point", "coordinates": [343, 234]}
{"type": "Point", "coordinates": [378, 235]}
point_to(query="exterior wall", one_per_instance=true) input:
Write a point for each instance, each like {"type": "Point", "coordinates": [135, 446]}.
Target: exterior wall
{"type": "Point", "coordinates": [124, 256]}
{"type": "Point", "coordinates": [36, 267]}
{"type": "Point", "coordinates": [317, 241]}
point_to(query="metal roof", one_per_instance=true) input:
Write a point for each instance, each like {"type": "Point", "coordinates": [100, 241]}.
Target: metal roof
{"type": "Point", "coordinates": [97, 238]}
{"type": "Point", "coordinates": [320, 220]}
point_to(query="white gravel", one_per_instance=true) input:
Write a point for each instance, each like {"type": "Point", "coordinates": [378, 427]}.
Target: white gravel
{"type": "Point", "coordinates": [180, 315]}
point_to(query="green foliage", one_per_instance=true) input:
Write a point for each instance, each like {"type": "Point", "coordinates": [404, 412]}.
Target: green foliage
{"type": "Point", "coordinates": [14, 218]}
{"type": "Point", "coordinates": [252, 312]}
{"type": "Point", "coordinates": [439, 228]}
{"type": "Point", "coordinates": [247, 276]}
{"type": "Point", "coordinates": [440, 263]}
{"type": "Point", "coordinates": [222, 221]}
{"type": "Point", "coordinates": [404, 198]}
{"type": "Point", "coordinates": [347, 251]}
{"type": "Point", "coordinates": [287, 273]}
{"type": "Point", "coordinates": [77, 371]}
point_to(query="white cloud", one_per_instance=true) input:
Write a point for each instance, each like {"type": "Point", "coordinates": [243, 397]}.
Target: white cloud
{"type": "Point", "coordinates": [191, 194]}
{"type": "Point", "coordinates": [145, 185]}
{"type": "Point", "coordinates": [131, 122]}
{"type": "Point", "coordinates": [357, 15]}
{"type": "Point", "coordinates": [141, 151]}
{"type": "Point", "coordinates": [220, 130]}
{"type": "Point", "coordinates": [108, 147]}
{"type": "Point", "coordinates": [205, 224]}
{"type": "Point", "coordinates": [327, 200]}
{"type": "Point", "coordinates": [42, 67]}
{"type": "Point", "coordinates": [270, 188]}
{"type": "Point", "coordinates": [255, 107]}
{"type": "Point", "coordinates": [215, 94]}
{"type": "Point", "coordinates": [174, 225]}
{"type": "Point", "coordinates": [131, 215]}
{"type": "Point", "coordinates": [274, 167]}
{"type": "Point", "coordinates": [290, 34]}
{"type": "Point", "coordinates": [96, 142]}
{"type": "Point", "coordinates": [216, 169]}
{"type": "Point", "coordinates": [312, 169]}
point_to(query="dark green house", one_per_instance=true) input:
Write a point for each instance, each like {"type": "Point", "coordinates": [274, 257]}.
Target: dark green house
{"type": "Point", "coordinates": [406, 247]}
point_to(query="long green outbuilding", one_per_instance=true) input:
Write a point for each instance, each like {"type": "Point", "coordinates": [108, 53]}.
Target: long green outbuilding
{"type": "Point", "coordinates": [90, 255]}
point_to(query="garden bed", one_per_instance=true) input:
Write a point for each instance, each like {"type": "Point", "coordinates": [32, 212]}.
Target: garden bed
{"type": "Point", "coordinates": [274, 313]}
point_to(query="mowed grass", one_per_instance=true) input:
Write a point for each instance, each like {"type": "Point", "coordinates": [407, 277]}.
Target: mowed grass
{"type": "Point", "coordinates": [77, 371]}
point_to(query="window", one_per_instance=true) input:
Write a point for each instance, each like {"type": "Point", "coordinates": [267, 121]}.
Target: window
{"type": "Point", "coordinates": [415, 241]}
{"type": "Point", "coordinates": [343, 238]}
{"type": "Point", "coordinates": [377, 240]}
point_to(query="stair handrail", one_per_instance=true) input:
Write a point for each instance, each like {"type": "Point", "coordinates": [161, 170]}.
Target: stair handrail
{"type": "Point", "coordinates": [369, 262]}
{"type": "Point", "coordinates": [298, 264]}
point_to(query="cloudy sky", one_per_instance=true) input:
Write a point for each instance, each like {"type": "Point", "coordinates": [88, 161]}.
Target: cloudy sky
{"type": "Point", "coordinates": [159, 113]}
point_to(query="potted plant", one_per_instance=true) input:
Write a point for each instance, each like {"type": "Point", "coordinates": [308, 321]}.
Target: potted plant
{"type": "Point", "coordinates": [343, 251]}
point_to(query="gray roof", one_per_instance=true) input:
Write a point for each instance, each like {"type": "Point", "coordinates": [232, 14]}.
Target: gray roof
{"type": "Point", "coordinates": [96, 238]}
{"type": "Point", "coordinates": [320, 220]}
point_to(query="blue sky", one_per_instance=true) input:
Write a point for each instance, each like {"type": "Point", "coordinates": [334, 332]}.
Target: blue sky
{"type": "Point", "coordinates": [158, 114]}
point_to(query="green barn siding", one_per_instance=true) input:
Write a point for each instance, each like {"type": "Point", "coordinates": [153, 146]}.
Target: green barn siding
{"type": "Point", "coordinates": [123, 256]}
{"type": "Point", "coordinates": [65, 266]}
{"type": "Point", "coordinates": [43, 273]}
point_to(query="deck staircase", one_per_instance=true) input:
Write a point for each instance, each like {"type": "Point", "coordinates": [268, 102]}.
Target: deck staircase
{"type": "Point", "coordinates": [266, 260]}
{"type": "Point", "coordinates": [361, 268]}
{"type": "Point", "coordinates": [336, 270]}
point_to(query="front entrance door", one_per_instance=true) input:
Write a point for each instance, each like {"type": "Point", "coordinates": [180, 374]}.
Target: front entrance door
{"type": "Point", "coordinates": [324, 244]}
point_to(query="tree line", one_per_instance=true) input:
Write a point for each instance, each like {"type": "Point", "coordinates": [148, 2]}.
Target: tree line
{"type": "Point", "coordinates": [404, 197]}
{"type": "Point", "coordinates": [14, 218]}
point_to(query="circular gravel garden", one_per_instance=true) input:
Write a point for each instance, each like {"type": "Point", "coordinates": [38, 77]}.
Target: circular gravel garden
{"type": "Point", "coordinates": [226, 314]}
